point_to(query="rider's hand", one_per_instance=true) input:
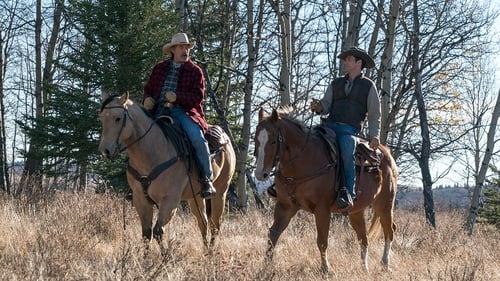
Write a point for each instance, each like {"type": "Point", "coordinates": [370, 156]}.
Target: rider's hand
{"type": "Point", "coordinates": [374, 143]}
{"type": "Point", "coordinates": [170, 96]}
{"type": "Point", "coordinates": [315, 106]}
{"type": "Point", "coordinates": [149, 103]}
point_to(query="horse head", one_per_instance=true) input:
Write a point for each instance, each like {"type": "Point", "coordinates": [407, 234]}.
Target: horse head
{"type": "Point", "coordinates": [116, 131]}
{"type": "Point", "coordinates": [267, 141]}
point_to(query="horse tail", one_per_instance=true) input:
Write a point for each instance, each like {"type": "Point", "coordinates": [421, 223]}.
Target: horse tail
{"type": "Point", "coordinates": [389, 189]}
{"type": "Point", "coordinates": [375, 227]}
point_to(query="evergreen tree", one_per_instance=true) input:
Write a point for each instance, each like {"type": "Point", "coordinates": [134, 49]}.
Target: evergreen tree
{"type": "Point", "coordinates": [110, 48]}
{"type": "Point", "coordinates": [68, 135]}
{"type": "Point", "coordinates": [490, 211]}
{"type": "Point", "coordinates": [122, 41]}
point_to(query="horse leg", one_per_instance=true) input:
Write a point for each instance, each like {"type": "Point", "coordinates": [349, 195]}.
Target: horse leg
{"type": "Point", "coordinates": [358, 223]}
{"type": "Point", "coordinates": [145, 211]}
{"type": "Point", "coordinates": [322, 217]}
{"type": "Point", "coordinates": [385, 211]}
{"type": "Point", "coordinates": [166, 210]}
{"type": "Point", "coordinates": [217, 205]}
{"type": "Point", "coordinates": [282, 216]}
{"type": "Point", "coordinates": [197, 206]}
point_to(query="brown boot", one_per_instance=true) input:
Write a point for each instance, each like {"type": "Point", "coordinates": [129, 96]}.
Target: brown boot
{"type": "Point", "coordinates": [207, 189]}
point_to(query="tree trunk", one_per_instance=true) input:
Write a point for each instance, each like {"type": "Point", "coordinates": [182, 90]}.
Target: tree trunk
{"type": "Point", "coordinates": [254, 31]}
{"type": "Point", "coordinates": [43, 78]}
{"type": "Point", "coordinates": [180, 8]}
{"type": "Point", "coordinates": [386, 69]}
{"type": "Point", "coordinates": [351, 25]}
{"type": "Point", "coordinates": [354, 25]}
{"type": "Point", "coordinates": [33, 164]}
{"type": "Point", "coordinates": [4, 173]}
{"type": "Point", "coordinates": [478, 189]}
{"type": "Point", "coordinates": [423, 158]}
{"type": "Point", "coordinates": [286, 42]}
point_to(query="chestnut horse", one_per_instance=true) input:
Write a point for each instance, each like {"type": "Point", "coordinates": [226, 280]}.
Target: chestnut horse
{"type": "Point", "coordinates": [157, 173]}
{"type": "Point", "coordinates": [306, 178]}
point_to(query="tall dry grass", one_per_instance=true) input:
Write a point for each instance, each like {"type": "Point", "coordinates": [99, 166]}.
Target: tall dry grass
{"type": "Point", "coordinates": [66, 236]}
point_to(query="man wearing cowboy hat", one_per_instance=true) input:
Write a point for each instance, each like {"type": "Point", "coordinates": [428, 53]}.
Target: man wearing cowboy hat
{"type": "Point", "coordinates": [179, 84]}
{"type": "Point", "coordinates": [348, 101]}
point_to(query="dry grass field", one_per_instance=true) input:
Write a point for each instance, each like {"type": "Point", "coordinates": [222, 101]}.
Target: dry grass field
{"type": "Point", "coordinates": [98, 237]}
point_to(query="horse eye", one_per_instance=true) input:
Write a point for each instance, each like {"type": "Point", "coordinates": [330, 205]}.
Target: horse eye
{"type": "Point", "coordinates": [118, 119]}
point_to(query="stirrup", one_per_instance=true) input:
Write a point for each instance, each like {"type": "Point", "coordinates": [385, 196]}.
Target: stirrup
{"type": "Point", "coordinates": [344, 199]}
{"type": "Point", "coordinates": [207, 189]}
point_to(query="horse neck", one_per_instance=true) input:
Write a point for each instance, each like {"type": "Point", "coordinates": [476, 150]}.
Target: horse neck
{"type": "Point", "coordinates": [295, 139]}
{"type": "Point", "coordinates": [302, 153]}
{"type": "Point", "coordinates": [153, 147]}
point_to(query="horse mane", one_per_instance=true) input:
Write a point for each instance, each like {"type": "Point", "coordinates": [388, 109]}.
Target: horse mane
{"type": "Point", "coordinates": [112, 97]}
{"type": "Point", "coordinates": [287, 112]}
{"type": "Point", "coordinates": [106, 101]}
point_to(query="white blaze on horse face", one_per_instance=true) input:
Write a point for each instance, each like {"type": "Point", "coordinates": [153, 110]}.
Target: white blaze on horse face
{"type": "Point", "coordinates": [263, 137]}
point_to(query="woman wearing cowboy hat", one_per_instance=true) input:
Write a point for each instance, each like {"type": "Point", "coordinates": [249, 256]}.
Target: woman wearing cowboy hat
{"type": "Point", "coordinates": [348, 101]}
{"type": "Point", "coordinates": [180, 83]}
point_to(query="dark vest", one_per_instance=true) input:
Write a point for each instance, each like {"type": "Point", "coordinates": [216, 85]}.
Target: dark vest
{"type": "Point", "coordinates": [350, 109]}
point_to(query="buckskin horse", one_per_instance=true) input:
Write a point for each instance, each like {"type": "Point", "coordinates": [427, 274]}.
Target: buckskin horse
{"type": "Point", "coordinates": [306, 176]}
{"type": "Point", "coordinates": [158, 173]}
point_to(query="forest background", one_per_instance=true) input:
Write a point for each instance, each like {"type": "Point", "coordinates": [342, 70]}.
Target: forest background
{"type": "Point", "coordinates": [433, 68]}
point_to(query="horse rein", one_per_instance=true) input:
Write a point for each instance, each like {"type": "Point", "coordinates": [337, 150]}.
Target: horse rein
{"type": "Point", "coordinates": [277, 172]}
{"type": "Point", "coordinates": [145, 181]}
{"type": "Point", "coordinates": [124, 123]}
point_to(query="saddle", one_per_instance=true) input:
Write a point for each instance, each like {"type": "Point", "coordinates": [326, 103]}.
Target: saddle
{"type": "Point", "coordinates": [172, 130]}
{"type": "Point", "coordinates": [215, 135]}
{"type": "Point", "coordinates": [330, 139]}
{"type": "Point", "coordinates": [366, 159]}
{"type": "Point", "coordinates": [365, 156]}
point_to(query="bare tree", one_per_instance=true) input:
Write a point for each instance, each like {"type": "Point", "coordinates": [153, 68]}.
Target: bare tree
{"type": "Point", "coordinates": [424, 155]}
{"type": "Point", "coordinates": [386, 69]}
{"type": "Point", "coordinates": [422, 126]}
{"type": "Point", "coordinates": [180, 8]}
{"type": "Point", "coordinates": [254, 25]}
{"type": "Point", "coordinates": [33, 164]}
{"type": "Point", "coordinates": [283, 12]}
{"type": "Point", "coordinates": [480, 178]}
{"type": "Point", "coordinates": [5, 43]}
{"type": "Point", "coordinates": [354, 23]}
{"type": "Point", "coordinates": [43, 78]}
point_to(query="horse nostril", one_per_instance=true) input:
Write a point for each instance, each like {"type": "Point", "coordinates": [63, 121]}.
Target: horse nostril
{"type": "Point", "coordinates": [265, 175]}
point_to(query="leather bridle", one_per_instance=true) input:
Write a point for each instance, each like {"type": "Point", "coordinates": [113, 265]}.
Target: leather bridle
{"type": "Point", "coordinates": [124, 123]}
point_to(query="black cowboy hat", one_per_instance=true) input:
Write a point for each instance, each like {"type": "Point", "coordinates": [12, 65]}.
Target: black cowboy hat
{"type": "Point", "coordinates": [360, 54]}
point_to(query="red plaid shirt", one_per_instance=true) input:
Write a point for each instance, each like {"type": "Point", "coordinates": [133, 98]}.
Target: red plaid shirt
{"type": "Point", "coordinates": [190, 89]}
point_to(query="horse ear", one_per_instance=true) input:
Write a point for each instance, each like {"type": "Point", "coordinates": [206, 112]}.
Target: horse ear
{"type": "Point", "coordinates": [261, 114]}
{"type": "Point", "coordinates": [124, 98]}
{"type": "Point", "coordinates": [104, 95]}
{"type": "Point", "coordinates": [275, 116]}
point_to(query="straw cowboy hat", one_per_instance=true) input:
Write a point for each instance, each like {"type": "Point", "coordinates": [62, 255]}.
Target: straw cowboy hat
{"type": "Point", "coordinates": [178, 39]}
{"type": "Point", "coordinates": [360, 54]}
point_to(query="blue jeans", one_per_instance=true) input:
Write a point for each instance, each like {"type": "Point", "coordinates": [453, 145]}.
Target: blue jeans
{"type": "Point", "coordinates": [197, 139]}
{"type": "Point", "coordinates": [346, 141]}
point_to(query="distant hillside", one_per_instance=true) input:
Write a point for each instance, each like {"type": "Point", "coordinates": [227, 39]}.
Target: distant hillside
{"type": "Point", "coordinates": [444, 198]}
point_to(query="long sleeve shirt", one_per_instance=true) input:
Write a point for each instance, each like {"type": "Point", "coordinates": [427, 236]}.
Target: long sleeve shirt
{"type": "Point", "coordinates": [369, 109]}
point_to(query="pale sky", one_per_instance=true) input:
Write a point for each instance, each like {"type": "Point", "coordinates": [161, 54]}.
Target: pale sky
{"type": "Point", "coordinates": [495, 5]}
{"type": "Point", "coordinates": [455, 176]}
